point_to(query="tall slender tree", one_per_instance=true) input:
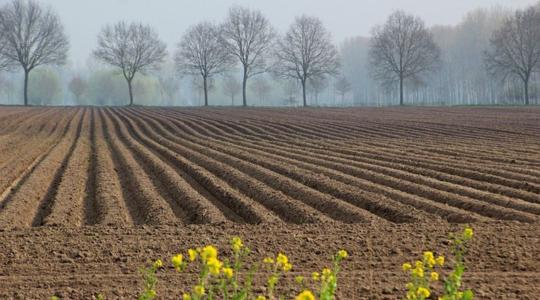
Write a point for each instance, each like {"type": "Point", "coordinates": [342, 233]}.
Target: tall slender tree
{"type": "Point", "coordinates": [342, 86]}
{"type": "Point", "coordinates": [201, 53]}
{"type": "Point", "coordinates": [249, 37]}
{"type": "Point", "coordinates": [262, 88]}
{"type": "Point", "coordinates": [401, 49]}
{"type": "Point", "coordinates": [77, 86]}
{"type": "Point", "coordinates": [169, 87]}
{"type": "Point", "coordinates": [231, 87]}
{"type": "Point", "coordinates": [131, 47]}
{"type": "Point", "coordinates": [516, 48]}
{"type": "Point", "coordinates": [317, 85]}
{"type": "Point", "coordinates": [4, 62]}
{"type": "Point", "coordinates": [306, 51]}
{"type": "Point", "coordinates": [32, 36]}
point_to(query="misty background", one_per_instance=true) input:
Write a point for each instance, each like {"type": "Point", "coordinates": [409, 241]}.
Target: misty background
{"type": "Point", "coordinates": [461, 28]}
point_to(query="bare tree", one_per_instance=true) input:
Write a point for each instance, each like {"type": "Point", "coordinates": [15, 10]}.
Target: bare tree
{"type": "Point", "coordinates": [131, 47]}
{"type": "Point", "coordinates": [44, 87]}
{"type": "Point", "coordinates": [77, 86]}
{"type": "Point", "coordinates": [231, 87]}
{"type": "Point", "coordinates": [4, 62]}
{"type": "Point", "coordinates": [168, 87]}
{"type": "Point", "coordinates": [402, 48]}
{"type": "Point", "coordinates": [199, 87]}
{"type": "Point", "coordinates": [290, 91]}
{"type": "Point", "coordinates": [33, 36]}
{"type": "Point", "coordinates": [342, 86]}
{"type": "Point", "coordinates": [248, 36]}
{"type": "Point", "coordinates": [261, 87]}
{"type": "Point", "coordinates": [306, 51]}
{"type": "Point", "coordinates": [201, 53]}
{"type": "Point", "coordinates": [7, 88]}
{"type": "Point", "coordinates": [516, 48]}
{"type": "Point", "coordinates": [169, 83]}
{"type": "Point", "coordinates": [317, 85]}
{"type": "Point", "coordinates": [3, 87]}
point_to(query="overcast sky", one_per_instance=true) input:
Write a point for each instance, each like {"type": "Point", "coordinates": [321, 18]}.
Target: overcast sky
{"type": "Point", "coordinates": [83, 19]}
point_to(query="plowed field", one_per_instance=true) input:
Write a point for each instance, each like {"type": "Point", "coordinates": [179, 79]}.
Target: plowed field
{"type": "Point", "coordinates": [87, 195]}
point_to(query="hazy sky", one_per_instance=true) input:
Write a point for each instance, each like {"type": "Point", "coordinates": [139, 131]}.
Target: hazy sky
{"type": "Point", "coordinates": [83, 19]}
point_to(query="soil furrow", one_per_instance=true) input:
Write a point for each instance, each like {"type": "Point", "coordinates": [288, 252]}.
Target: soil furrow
{"type": "Point", "coordinates": [26, 202]}
{"type": "Point", "coordinates": [183, 200]}
{"type": "Point", "coordinates": [327, 205]}
{"type": "Point", "coordinates": [64, 206]}
{"type": "Point", "coordinates": [145, 205]}
{"type": "Point", "coordinates": [289, 209]}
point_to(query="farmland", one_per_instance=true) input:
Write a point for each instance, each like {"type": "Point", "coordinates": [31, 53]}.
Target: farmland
{"type": "Point", "coordinates": [128, 184]}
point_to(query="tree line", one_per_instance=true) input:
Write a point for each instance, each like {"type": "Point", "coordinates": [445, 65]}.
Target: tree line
{"type": "Point", "coordinates": [402, 54]}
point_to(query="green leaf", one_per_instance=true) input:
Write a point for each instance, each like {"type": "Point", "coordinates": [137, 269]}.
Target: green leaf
{"type": "Point", "coordinates": [468, 295]}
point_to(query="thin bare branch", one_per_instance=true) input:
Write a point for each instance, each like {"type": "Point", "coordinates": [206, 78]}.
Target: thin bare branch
{"type": "Point", "coordinates": [401, 49]}
{"type": "Point", "coordinates": [306, 51]}
{"type": "Point", "coordinates": [132, 48]}
{"type": "Point", "coordinates": [248, 36]}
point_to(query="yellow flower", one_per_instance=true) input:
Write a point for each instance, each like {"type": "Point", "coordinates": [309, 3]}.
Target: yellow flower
{"type": "Point", "coordinates": [419, 264]}
{"type": "Point", "coordinates": [434, 276]}
{"type": "Point", "coordinates": [208, 252]}
{"type": "Point", "coordinates": [158, 264]}
{"type": "Point", "coordinates": [423, 292]}
{"type": "Point", "coordinates": [192, 254]}
{"type": "Point", "coordinates": [299, 279]}
{"type": "Point", "coordinates": [228, 272]}
{"type": "Point", "coordinates": [268, 260]}
{"type": "Point", "coordinates": [199, 290]}
{"type": "Point", "coordinates": [186, 296]}
{"type": "Point", "coordinates": [152, 294]}
{"type": "Point", "coordinates": [177, 261]}
{"type": "Point", "coordinates": [315, 276]}
{"type": "Point", "coordinates": [418, 272]}
{"type": "Point", "coordinates": [342, 254]}
{"type": "Point", "coordinates": [410, 295]}
{"type": "Point", "coordinates": [429, 258]}
{"type": "Point", "coordinates": [440, 260]}
{"type": "Point", "coordinates": [287, 267]}
{"type": "Point", "coordinates": [237, 244]}
{"type": "Point", "coordinates": [305, 295]}
{"type": "Point", "coordinates": [282, 259]}
{"type": "Point", "coordinates": [409, 285]}
{"type": "Point", "coordinates": [428, 255]}
{"type": "Point", "coordinates": [468, 233]}
{"type": "Point", "coordinates": [214, 265]}
{"type": "Point", "coordinates": [326, 272]}
{"type": "Point", "coordinates": [261, 298]}
{"type": "Point", "coordinates": [406, 267]}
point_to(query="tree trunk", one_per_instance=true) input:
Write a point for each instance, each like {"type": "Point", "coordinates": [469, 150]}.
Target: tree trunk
{"type": "Point", "coordinates": [401, 90]}
{"type": "Point", "coordinates": [205, 85]}
{"type": "Point", "coordinates": [26, 76]}
{"type": "Point", "coordinates": [527, 91]}
{"type": "Point", "coordinates": [130, 93]}
{"type": "Point", "coordinates": [304, 92]}
{"type": "Point", "coordinates": [244, 87]}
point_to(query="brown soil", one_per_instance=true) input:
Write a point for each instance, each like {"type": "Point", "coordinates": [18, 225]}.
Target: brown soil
{"type": "Point", "coordinates": [88, 195]}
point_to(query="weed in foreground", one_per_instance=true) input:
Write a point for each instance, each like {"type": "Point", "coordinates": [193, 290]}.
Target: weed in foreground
{"type": "Point", "coordinates": [424, 274]}
{"type": "Point", "coordinates": [222, 279]}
